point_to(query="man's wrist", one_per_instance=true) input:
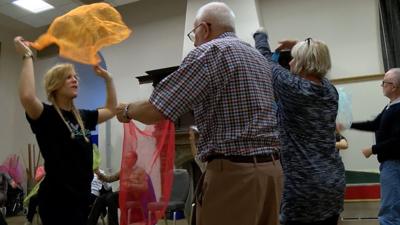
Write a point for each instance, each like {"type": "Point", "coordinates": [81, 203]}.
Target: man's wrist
{"type": "Point", "coordinates": [374, 150]}
{"type": "Point", "coordinates": [126, 112]}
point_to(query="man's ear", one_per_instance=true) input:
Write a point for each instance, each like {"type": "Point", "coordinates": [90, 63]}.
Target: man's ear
{"type": "Point", "coordinates": [207, 32]}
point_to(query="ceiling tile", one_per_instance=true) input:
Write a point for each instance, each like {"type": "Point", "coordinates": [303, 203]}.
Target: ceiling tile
{"type": "Point", "coordinates": [120, 2]}
{"type": "Point", "coordinates": [58, 11]}
{"type": "Point", "coordinates": [34, 20]}
{"type": "Point", "coordinates": [46, 17]}
{"type": "Point", "coordinates": [69, 7]}
{"type": "Point", "coordinates": [111, 2]}
{"type": "Point", "coordinates": [52, 14]}
{"type": "Point", "coordinates": [57, 3]}
{"type": "Point", "coordinates": [13, 11]}
{"type": "Point", "coordinates": [2, 2]}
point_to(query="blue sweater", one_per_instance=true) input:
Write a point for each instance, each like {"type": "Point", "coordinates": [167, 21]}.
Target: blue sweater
{"type": "Point", "coordinates": [387, 133]}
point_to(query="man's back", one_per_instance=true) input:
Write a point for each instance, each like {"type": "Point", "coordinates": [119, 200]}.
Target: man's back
{"type": "Point", "coordinates": [239, 111]}
{"type": "Point", "coordinates": [227, 84]}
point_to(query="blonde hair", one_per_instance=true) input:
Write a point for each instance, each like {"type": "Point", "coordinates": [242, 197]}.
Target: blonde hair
{"type": "Point", "coordinates": [311, 57]}
{"type": "Point", "coordinates": [54, 79]}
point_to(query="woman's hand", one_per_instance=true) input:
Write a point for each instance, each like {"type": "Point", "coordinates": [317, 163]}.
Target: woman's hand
{"type": "Point", "coordinates": [22, 46]}
{"type": "Point", "coordinates": [122, 113]}
{"type": "Point", "coordinates": [101, 72]}
{"type": "Point", "coordinates": [286, 44]}
{"type": "Point", "coordinates": [261, 30]}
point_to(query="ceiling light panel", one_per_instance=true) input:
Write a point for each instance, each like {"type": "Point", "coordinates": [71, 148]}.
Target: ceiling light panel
{"type": "Point", "coordinates": [35, 6]}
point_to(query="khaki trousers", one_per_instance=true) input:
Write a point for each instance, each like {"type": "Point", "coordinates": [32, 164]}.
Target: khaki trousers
{"type": "Point", "coordinates": [240, 193]}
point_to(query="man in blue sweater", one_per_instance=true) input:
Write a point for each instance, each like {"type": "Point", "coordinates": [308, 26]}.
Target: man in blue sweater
{"type": "Point", "coordinates": [387, 134]}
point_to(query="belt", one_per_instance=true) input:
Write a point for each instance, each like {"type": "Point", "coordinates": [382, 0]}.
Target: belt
{"type": "Point", "coordinates": [245, 159]}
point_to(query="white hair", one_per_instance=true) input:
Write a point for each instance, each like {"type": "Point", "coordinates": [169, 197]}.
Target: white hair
{"type": "Point", "coordinates": [217, 14]}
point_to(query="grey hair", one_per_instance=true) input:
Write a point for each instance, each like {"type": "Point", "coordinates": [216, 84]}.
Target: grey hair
{"type": "Point", "coordinates": [218, 14]}
{"type": "Point", "coordinates": [311, 57]}
{"type": "Point", "coordinates": [396, 77]}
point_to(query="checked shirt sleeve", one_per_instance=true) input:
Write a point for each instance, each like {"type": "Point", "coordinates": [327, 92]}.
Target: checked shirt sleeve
{"type": "Point", "coordinates": [181, 90]}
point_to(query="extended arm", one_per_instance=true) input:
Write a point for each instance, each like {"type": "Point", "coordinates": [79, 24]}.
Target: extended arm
{"type": "Point", "coordinates": [109, 109]}
{"type": "Point", "coordinates": [107, 178]}
{"type": "Point", "coordinates": [26, 87]}
{"type": "Point", "coordinates": [372, 125]}
{"type": "Point", "coordinates": [142, 111]}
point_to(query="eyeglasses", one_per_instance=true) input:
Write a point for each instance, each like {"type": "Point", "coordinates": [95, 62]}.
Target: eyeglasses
{"type": "Point", "coordinates": [386, 82]}
{"type": "Point", "coordinates": [190, 35]}
{"type": "Point", "coordinates": [75, 76]}
{"type": "Point", "coordinates": [308, 40]}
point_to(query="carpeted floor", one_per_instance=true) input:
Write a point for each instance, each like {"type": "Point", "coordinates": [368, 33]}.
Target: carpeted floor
{"type": "Point", "coordinates": [20, 220]}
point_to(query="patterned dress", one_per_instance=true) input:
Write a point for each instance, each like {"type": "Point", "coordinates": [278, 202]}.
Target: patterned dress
{"type": "Point", "coordinates": [314, 172]}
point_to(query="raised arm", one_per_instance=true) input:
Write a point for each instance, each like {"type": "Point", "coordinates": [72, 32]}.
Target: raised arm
{"type": "Point", "coordinates": [109, 109]}
{"type": "Point", "coordinates": [26, 87]}
{"type": "Point", "coordinates": [261, 42]}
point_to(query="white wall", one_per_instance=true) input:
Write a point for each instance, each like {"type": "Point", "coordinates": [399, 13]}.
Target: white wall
{"type": "Point", "coordinates": [246, 19]}
{"type": "Point", "coordinates": [367, 102]}
{"type": "Point", "coordinates": [350, 27]}
{"type": "Point", "coordinates": [8, 95]}
{"type": "Point", "coordinates": [156, 42]}
{"type": "Point", "coordinates": [14, 132]}
{"type": "Point", "coordinates": [351, 30]}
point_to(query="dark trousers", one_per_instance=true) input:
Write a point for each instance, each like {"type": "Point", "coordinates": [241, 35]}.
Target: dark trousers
{"type": "Point", "coordinates": [330, 221]}
{"type": "Point", "coordinates": [109, 201]}
{"type": "Point", "coordinates": [33, 204]}
{"type": "Point", "coordinates": [2, 220]}
{"type": "Point", "coordinates": [56, 210]}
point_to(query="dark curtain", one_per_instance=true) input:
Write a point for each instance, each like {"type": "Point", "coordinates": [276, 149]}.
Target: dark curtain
{"type": "Point", "coordinates": [389, 13]}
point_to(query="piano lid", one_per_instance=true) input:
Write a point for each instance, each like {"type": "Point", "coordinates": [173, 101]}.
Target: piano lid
{"type": "Point", "coordinates": [157, 75]}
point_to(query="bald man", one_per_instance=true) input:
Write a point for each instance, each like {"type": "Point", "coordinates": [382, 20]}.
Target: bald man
{"type": "Point", "coordinates": [227, 83]}
{"type": "Point", "coordinates": [387, 134]}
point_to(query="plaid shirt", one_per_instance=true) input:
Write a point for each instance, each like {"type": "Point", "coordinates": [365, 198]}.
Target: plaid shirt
{"type": "Point", "coordinates": [228, 85]}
